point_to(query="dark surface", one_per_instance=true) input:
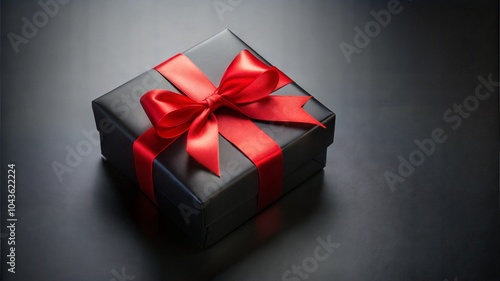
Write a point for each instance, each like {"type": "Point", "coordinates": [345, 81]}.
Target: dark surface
{"type": "Point", "coordinates": [441, 223]}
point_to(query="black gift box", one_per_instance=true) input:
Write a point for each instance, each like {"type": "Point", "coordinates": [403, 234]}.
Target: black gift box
{"type": "Point", "coordinates": [203, 205]}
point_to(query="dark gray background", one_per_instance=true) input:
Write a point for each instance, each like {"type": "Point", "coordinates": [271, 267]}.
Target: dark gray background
{"type": "Point", "coordinates": [441, 223]}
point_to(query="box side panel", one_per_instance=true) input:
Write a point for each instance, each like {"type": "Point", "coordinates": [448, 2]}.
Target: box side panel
{"type": "Point", "coordinates": [187, 215]}
{"type": "Point", "coordinates": [237, 217]}
{"type": "Point", "coordinates": [112, 137]}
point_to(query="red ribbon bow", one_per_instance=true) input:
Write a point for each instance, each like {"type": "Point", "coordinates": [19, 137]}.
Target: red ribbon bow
{"type": "Point", "coordinates": [244, 89]}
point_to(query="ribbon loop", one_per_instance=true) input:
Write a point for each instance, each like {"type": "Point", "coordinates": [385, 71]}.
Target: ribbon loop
{"type": "Point", "coordinates": [245, 90]}
{"type": "Point", "coordinates": [244, 87]}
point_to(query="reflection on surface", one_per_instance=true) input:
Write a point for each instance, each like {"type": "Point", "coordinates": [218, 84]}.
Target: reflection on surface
{"type": "Point", "coordinates": [169, 245]}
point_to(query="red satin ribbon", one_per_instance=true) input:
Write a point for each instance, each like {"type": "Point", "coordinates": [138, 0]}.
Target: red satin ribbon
{"type": "Point", "coordinates": [205, 111]}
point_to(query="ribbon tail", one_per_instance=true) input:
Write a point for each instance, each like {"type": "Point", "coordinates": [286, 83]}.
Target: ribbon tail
{"type": "Point", "coordinates": [261, 149]}
{"type": "Point", "coordinates": [203, 141]}
{"type": "Point", "coordinates": [280, 108]}
{"type": "Point", "coordinates": [145, 149]}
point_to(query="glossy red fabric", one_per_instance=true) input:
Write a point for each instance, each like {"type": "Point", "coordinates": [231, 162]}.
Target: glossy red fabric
{"type": "Point", "coordinates": [205, 111]}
